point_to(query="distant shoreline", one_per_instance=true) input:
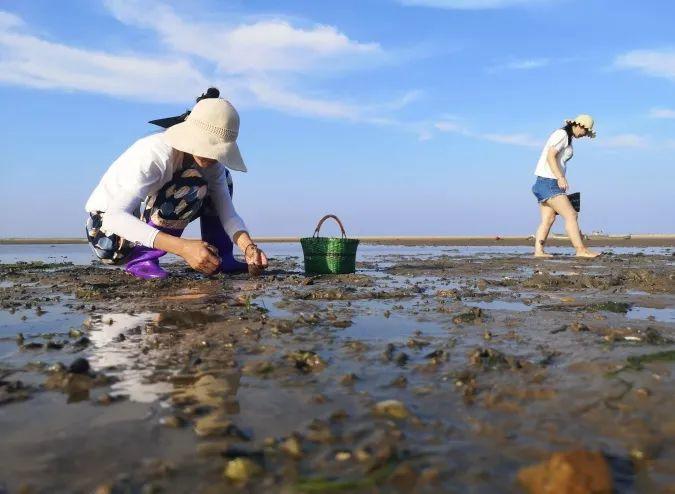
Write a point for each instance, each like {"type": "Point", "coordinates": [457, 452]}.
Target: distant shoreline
{"type": "Point", "coordinates": [643, 240]}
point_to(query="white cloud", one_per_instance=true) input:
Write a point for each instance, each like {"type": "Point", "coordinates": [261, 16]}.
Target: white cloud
{"type": "Point", "coordinates": [261, 62]}
{"type": "Point", "coordinates": [515, 139]}
{"type": "Point", "coordinates": [526, 64]}
{"type": "Point", "coordinates": [453, 126]}
{"type": "Point", "coordinates": [31, 61]}
{"type": "Point", "coordinates": [661, 113]}
{"type": "Point", "coordinates": [621, 141]}
{"type": "Point", "coordinates": [471, 4]}
{"type": "Point", "coordinates": [271, 45]}
{"type": "Point", "coordinates": [651, 62]}
{"type": "Point", "coordinates": [8, 21]}
{"type": "Point", "coordinates": [450, 126]}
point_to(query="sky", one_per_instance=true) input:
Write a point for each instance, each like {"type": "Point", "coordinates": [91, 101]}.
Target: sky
{"type": "Point", "coordinates": [403, 117]}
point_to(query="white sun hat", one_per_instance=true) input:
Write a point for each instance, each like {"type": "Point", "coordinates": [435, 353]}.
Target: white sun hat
{"type": "Point", "coordinates": [586, 121]}
{"type": "Point", "coordinates": [209, 131]}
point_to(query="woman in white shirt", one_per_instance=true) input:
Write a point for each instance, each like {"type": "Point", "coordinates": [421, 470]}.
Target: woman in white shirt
{"type": "Point", "coordinates": [551, 185]}
{"type": "Point", "coordinates": [148, 196]}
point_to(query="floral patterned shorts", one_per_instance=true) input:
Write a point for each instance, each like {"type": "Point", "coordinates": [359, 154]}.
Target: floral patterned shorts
{"type": "Point", "coordinates": [180, 201]}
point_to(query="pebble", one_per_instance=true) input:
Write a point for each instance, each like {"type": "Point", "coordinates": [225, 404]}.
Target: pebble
{"type": "Point", "coordinates": [79, 366]}
{"type": "Point", "coordinates": [570, 472]}
{"type": "Point", "coordinates": [292, 447]}
{"type": "Point", "coordinates": [392, 409]}
{"type": "Point", "coordinates": [241, 469]}
{"type": "Point", "coordinates": [172, 421]}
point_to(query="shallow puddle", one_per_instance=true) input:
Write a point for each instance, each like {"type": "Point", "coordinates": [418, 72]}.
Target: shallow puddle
{"type": "Point", "coordinates": [501, 305]}
{"type": "Point", "coordinates": [661, 315]}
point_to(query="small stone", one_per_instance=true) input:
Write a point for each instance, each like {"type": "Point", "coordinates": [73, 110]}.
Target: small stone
{"type": "Point", "coordinates": [33, 345]}
{"type": "Point", "coordinates": [472, 315]}
{"type": "Point", "coordinates": [292, 447]}
{"type": "Point", "coordinates": [571, 472]}
{"type": "Point", "coordinates": [241, 469]}
{"type": "Point", "coordinates": [56, 368]}
{"type": "Point", "coordinates": [392, 409]}
{"type": "Point", "coordinates": [429, 476]}
{"type": "Point", "coordinates": [401, 359]}
{"type": "Point", "coordinates": [282, 326]}
{"type": "Point", "coordinates": [215, 424]}
{"type": "Point", "coordinates": [578, 327]}
{"type": "Point", "coordinates": [172, 421]}
{"type": "Point", "coordinates": [79, 366]}
{"type": "Point", "coordinates": [104, 489]}
{"type": "Point", "coordinates": [82, 342]}
{"type": "Point", "coordinates": [417, 344]}
{"type": "Point", "coordinates": [307, 361]}
{"type": "Point", "coordinates": [643, 392]}
{"type": "Point", "coordinates": [343, 456]}
{"type": "Point", "coordinates": [399, 382]}
{"type": "Point", "coordinates": [349, 379]}
{"type": "Point", "coordinates": [105, 399]}
{"type": "Point", "coordinates": [403, 477]}
{"type": "Point", "coordinates": [341, 324]}
{"type": "Point", "coordinates": [75, 333]}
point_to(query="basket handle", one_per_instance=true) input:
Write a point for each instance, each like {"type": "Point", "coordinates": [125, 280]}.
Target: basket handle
{"type": "Point", "coordinates": [318, 227]}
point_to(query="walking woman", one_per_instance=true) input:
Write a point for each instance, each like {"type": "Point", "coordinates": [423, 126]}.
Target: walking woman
{"type": "Point", "coordinates": [551, 185]}
{"type": "Point", "coordinates": [148, 196]}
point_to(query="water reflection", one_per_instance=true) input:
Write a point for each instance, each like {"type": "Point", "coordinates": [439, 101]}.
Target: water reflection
{"type": "Point", "coordinates": [117, 341]}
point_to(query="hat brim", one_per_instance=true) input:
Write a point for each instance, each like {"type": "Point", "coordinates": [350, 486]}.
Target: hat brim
{"type": "Point", "coordinates": [191, 139]}
{"type": "Point", "coordinates": [591, 132]}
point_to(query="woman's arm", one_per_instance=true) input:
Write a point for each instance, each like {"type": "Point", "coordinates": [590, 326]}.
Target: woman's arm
{"type": "Point", "coordinates": [198, 254]}
{"type": "Point", "coordinates": [552, 158]}
{"type": "Point", "coordinates": [232, 223]}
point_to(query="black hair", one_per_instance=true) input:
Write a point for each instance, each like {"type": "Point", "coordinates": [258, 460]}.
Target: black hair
{"type": "Point", "coordinates": [568, 129]}
{"type": "Point", "coordinates": [165, 123]}
{"type": "Point", "coordinates": [211, 92]}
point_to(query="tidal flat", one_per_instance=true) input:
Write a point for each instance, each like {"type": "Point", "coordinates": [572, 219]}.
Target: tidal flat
{"type": "Point", "coordinates": [432, 369]}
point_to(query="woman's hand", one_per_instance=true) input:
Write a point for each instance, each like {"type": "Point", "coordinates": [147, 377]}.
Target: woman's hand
{"type": "Point", "coordinates": [200, 256]}
{"type": "Point", "coordinates": [255, 257]}
{"type": "Point", "coordinates": [562, 183]}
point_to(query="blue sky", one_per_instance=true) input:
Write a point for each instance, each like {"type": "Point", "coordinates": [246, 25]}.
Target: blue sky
{"type": "Point", "coordinates": [404, 117]}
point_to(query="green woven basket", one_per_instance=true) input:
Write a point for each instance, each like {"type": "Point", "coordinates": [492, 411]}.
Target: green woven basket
{"type": "Point", "coordinates": [329, 255]}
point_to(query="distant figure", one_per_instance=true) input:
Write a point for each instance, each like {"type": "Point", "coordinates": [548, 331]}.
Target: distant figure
{"type": "Point", "coordinates": [551, 185]}
{"type": "Point", "coordinates": [144, 201]}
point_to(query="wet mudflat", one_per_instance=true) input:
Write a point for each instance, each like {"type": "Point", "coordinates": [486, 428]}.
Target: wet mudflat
{"type": "Point", "coordinates": [442, 372]}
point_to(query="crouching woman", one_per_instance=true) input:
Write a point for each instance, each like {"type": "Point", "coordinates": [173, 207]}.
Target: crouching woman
{"type": "Point", "coordinates": [148, 196]}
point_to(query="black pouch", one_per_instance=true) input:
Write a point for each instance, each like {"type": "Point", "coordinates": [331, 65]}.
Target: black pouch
{"type": "Point", "coordinates": [575, 199]}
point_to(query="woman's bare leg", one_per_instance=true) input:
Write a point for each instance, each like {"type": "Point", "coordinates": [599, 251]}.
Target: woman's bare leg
{"type": "Point", "coordinates": [547, 219]}
{"type": "Point", "coordinates": [561, 205]}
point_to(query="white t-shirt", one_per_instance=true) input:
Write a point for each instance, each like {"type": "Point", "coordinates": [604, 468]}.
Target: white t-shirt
{"type": "Point", "coordinates": [563, 145]}
{"type": "Point", "coordinates": [141, 171]}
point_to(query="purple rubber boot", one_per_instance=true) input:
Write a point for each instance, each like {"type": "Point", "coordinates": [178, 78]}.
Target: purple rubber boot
{"type": "Point", "coordinates": [143, 262]}
{"type": "Point", "coordinates": [214, 234]}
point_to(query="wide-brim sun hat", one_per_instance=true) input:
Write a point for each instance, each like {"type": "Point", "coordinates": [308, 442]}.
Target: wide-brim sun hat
{"type": "Point", "coordinates": [585, 121]}
{"type": "Point", "coordinates": [209, 131]}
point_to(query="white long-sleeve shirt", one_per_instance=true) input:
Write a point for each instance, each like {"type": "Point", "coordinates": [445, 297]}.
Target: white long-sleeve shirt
{"type": "Point", "coordinates": [141, 171]}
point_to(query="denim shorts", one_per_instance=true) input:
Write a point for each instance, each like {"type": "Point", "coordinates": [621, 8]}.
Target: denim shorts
{"type": "Point", "coordinates": [545, 188]}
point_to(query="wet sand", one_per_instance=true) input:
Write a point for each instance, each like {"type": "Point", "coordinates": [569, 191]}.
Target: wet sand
{"type": "Point", "coordinates": [646, 240]}
{"type": "Point", "coordinates": [425, 373]}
